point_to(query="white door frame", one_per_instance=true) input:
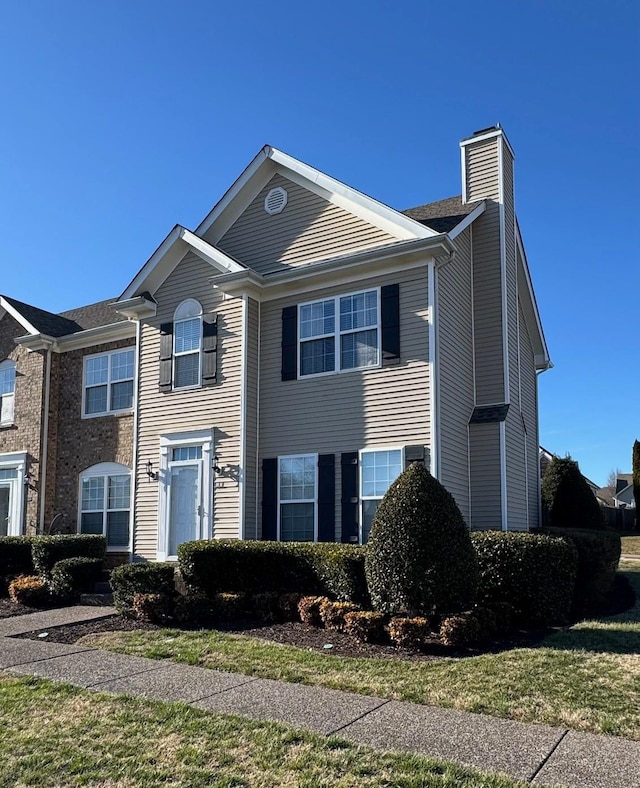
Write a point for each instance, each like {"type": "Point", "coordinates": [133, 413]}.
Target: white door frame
{"type": "Point", "coordinates": [168, 442]}
{"type": "Point", "coordinates": [16, 461]}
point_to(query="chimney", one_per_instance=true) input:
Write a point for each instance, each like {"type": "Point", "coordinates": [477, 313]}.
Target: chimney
{"type": "Point", "coordinates": [487, 166]}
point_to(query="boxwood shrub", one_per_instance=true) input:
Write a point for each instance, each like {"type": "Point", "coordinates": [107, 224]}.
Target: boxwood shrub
{"type": "Point", "coordinates": [15, 559]}
{"type": "Point", "coordinates": [598, 556]}
{"type": "Point", "coordinates": [131, 579]}
{"type": "Point", "coordinates": [48, 550]}
{"type": "Point", "coordinates": [535, 574]}
{"type": "Point", "coordinates": [250, 567]}
{"type": "Point", "coordinates": [74, 576]}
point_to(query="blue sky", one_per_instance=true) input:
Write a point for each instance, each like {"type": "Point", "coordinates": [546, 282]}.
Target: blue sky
{"type": "Point", "coordinates": [121, 119]}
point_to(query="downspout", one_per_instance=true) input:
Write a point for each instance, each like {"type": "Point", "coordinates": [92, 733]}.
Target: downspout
{"type": "Point", "coordinates": [134, 469]}
{"type": "Point", "coordinates": [45, 440]}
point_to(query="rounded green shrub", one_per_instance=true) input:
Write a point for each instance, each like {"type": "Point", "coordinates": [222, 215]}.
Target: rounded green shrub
{"type": "Point", "coordinates": [420, 560]}
{"type": "Point", "coordinates": [568, 498]}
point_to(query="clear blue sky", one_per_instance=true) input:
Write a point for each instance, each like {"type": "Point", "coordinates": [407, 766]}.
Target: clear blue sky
{"type": "Point", "coordinates": [121, 119]}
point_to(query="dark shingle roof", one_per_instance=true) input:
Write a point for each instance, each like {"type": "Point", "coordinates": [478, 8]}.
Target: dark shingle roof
{"type": "Point", "coordinates": [443, 215]}
{"type": "Point", "coordinates": [70, 322]}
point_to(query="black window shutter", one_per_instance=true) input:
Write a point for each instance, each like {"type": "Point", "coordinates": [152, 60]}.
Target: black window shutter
{"type": "Point", "coordinates": [270, 499]}
{"type": "Point", "coordinates": [390, 321]}
{"type": "Point", "coordinates": [290, 343]}
{"type": "Point", "coordinates": [209, 350]}
{"type": "Point", "coordinates": [414, 454]}
{"type": "Point", "coordinates": [166, 356]}
{"type": "Point", "coordinates": [326, 498]}
{"type": "Point", "coordinates": [349, 506]}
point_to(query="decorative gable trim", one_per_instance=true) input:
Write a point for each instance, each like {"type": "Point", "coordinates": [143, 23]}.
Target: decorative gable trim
{"type": "Point", "coordinates": [530, 307]}
{"type": "Point", "coordinates": [11, 310]}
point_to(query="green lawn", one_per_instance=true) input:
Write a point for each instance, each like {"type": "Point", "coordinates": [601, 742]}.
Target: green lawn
{"type": "Point", "coordinates": [587, 677]}
{"type": "Point", "coordinates": [631, 545]}
{"type": "Point", "coordinates": [57, 735]}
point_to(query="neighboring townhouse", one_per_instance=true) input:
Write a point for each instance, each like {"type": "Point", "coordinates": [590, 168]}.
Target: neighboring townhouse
{"type": "Point", "coordinates": [623, 497]}
{"type": "Point", "coordinates": [294, 352]}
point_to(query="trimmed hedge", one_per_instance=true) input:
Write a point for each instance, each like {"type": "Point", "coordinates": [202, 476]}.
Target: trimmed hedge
{"type": "Point", "coordinates": [74, 576]}
{"type": "Point", "coordinates": [420, 561]}
{"type": "Point", "coordinates": [131, 579]}
{"type": "Point", "coordinates": [598, 556]}
{"type": "Point", "coordinates": [48, 550]}
{"type": "Point", "coordinates": [15, 559]}
{"type": "Point", "coordinates": [250, 567]}
{"type": "Point", "coordinates": [534, 574]}
{"type": "Point", "coordinates": [568, 497]}
{"type": "Point", "coordinates": [29, 590]}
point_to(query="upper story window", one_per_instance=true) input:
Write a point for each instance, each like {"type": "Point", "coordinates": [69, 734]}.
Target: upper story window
{"type": "Point", "coordinates": [105, 503]}
{"type": "Point", "coordinates": [108, 382]}
{"type": "Point", "coordinates": [7, 391]}
{"type": "Point", "coordinates": [187, 341]}
{"type": "Point", "coordinates": [338, 334]}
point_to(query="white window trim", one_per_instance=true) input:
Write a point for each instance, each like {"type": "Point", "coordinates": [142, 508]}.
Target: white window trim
{"type": "Point", "coordinates": [16, 461]}
{"type": "Point", "coordinates": [168, 442]}
{"type": "Point", "coordinates": [6, 364]}
{"type": "Point", "coordinates": [104, 470]}
{"type": "Point", "coordinates": [175, 354]}
{"type": "Point", "coordinates": [108, 384]}
{"type": "Point", "coordinates": [337, 333]}
{"type": "Point", "coordinates": [303, 500]}
{"type": "Point", "coordinates": [362, 497]}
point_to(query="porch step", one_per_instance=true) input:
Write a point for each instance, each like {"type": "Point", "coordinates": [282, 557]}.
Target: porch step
{"type": "Point", "coordinates": [97, 600]}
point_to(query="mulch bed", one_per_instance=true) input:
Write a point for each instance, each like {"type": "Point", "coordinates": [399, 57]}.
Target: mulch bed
{"type": "Point", "coordinates": [9, 608]}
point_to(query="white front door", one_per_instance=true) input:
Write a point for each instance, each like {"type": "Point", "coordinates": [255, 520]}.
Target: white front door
{"type": "Point", "coordinates": [9, 503]}
{"type": "Point", "coordinates": [184, 498]}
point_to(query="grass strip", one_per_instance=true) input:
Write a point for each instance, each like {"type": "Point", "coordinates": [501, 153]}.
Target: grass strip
{"type": "Point", "coordinates": [586, 678]}
{"type": "Point", "coordinates": [57, 735]}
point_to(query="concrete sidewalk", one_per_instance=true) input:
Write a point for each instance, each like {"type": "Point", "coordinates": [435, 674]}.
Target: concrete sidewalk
{"type": "Point", "coordinates": [537, 754]}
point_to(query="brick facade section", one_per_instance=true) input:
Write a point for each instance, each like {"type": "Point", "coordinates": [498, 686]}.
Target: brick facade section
{"type": "Point", "coordinates": [81, 443]}
{"type": "Point", "coordinates": [26, 432]}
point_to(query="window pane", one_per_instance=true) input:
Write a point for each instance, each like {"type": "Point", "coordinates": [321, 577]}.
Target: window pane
{"type": "Point", "coordinates": [8, 473]}
{"type": "Point", "coordinates": [6, 408]}
{"type": "Point", "coordinates": [369, 508]}
{"type": "Point", "coordinates": [118, 529]}
{"type": "Point", "coordinates": [316, 356]}
{"type": "Point", "coordinates": [379, 470]}
{"type": "Point", "coordinates": [93, 494]}
{"type": "Point", "coordinates": [187, 453]}
{"type": "Point", "coordinates": [187, 370]}
{"type": "Point", "coordinates": [297, 478]}
{"type": "Point", "coordinates": [317, 319]}
{"type": "Point", "coordinates": [96, 370]}
{"type": "Point", "coordinates": [296, 522]}
{"type": "Point", "coordinates": [91, 523]}
{"type": "Point", "coordinates": [96, 400]}
{"type": "Point", "coordinates": [119, 492]}
{"type": "Point", "coordinates": [122, 365]}
{"type": "Point", "coordinates": [7, 379]}
{"type": "Point", "coordinates": [359, 310]}
{"type": "Point", "coordinates": [187, 335]}
{"type": "Point", "coordinates": [359, 349]}
{"type": "Point", "coordinates": [122, 395]}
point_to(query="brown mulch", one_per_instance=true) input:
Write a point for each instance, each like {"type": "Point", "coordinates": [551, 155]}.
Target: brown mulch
{"type": "Point", "coordinates": [9, 608]}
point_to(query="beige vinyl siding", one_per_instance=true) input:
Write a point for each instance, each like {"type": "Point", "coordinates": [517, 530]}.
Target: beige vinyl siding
{"type": "Point", "coordinates": [252, 415]}
{"type": "Point", "coordinates": [529, 387]}
{"type": "Point", "coordinates": [309, 228]}
{"type": "Point", "coordinates": [455, 368]}
{"type": "Point", "coordinates": [516, 471]}
{"type": "Point", "coordinates": [481, 170]}
{"type": "Point", "coordinates": [487, 307]}
{"type": "Point", "coordinates": [484, 460]}
{"type": "Point", "coordinates": [213, 407]}
{"type": "Point", "coordinates": [352, 410]}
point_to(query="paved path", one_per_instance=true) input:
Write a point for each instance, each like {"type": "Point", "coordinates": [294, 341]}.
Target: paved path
{"type": "Point", "coordinates": [538, 754]}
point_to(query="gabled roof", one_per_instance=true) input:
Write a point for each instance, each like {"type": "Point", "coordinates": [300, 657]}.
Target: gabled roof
{"type": "Point", "coordinates": [39, 321]}
{"type": "Point", "coordinates": [442, 215]}
{"type": "Point", "coordinates": [101, 313]}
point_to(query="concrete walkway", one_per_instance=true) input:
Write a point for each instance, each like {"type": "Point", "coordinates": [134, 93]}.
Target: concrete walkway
{"type": "Point", "coordinates": [537, 754]}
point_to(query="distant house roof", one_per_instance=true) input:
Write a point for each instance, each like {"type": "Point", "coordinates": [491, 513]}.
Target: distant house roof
{"type": "Point", "coordinates": [65, 323]}
{"type": "Point", "coordinates": [442, 215]}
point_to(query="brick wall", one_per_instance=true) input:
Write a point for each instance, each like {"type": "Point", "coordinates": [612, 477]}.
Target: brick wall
{"type": "Point", "coordinates": [81, 443]}
{"type": "Point", "coordinates": [25, 433]}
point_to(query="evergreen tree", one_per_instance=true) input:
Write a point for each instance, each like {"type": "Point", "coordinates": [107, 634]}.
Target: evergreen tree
{"type": "Point", "coordinates": [568, 498]}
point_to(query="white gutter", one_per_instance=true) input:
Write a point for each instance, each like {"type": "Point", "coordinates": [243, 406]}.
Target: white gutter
{"type": "Point", "coordinates": [134, 469]}
{"type": "Point", "coordinates": [44, 448]}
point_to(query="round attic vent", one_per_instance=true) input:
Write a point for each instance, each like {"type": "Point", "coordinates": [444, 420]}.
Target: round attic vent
{"type": "Point", "coordinates": [275, 201]}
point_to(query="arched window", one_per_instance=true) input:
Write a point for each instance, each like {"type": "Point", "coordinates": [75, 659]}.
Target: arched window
{"type": "Point", "coordinates": [7, 391]}
{"type": "Point", "coordinates": [105, 503]}
{"type": "Point", "coordinates": [187, 344]}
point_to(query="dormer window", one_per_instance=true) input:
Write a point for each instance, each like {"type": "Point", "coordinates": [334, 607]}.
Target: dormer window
{"type": "Point", "coordinates": [7, 391]}
{"type": "Point", "coordinates": [187, 341]}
